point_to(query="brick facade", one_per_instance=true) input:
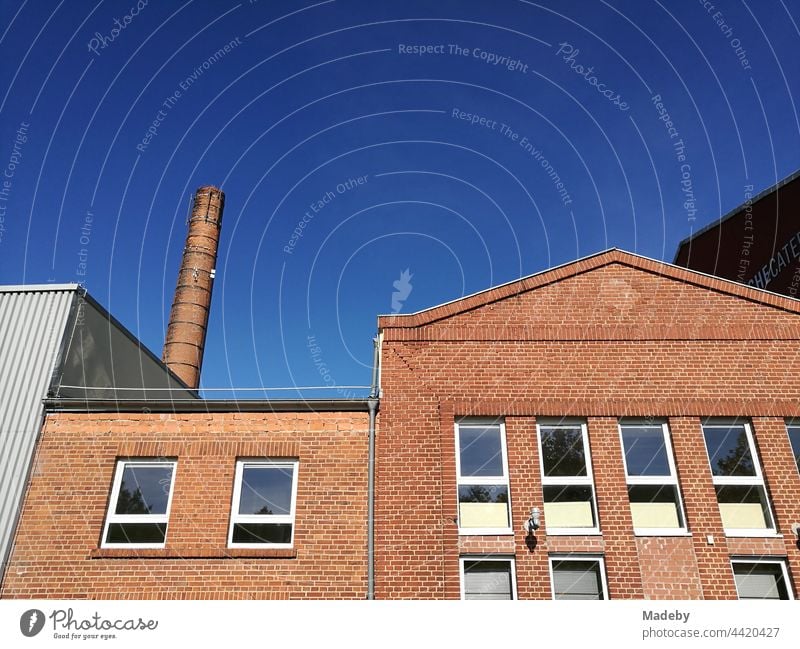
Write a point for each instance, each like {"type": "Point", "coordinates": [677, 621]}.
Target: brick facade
{"type": "Point", "coordinates": [57, 553]}
{"type": "Point", "coordinates": [611, 336]}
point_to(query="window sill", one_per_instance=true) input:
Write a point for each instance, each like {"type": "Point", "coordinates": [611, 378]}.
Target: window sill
{"type": "Point", "coordinates": [679, 533]}
{"type": "Point", "coordinates": [193, 553]}
{"type": "Point", "coordinates": [752, 534]}
{"type": "Point", "coordinates": [486, 532]}
{"type": "Point", "coordinates": [575, 532]}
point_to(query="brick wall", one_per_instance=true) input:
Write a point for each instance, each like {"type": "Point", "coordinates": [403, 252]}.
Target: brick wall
{"type": "Point", "coordinates": [613, 336]}
{"type": "Point", "coordinates": [56, 551]}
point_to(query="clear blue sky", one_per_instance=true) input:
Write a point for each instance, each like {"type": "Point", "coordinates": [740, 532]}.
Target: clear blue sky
{"type": "Point", "coordinates": [121, 121]}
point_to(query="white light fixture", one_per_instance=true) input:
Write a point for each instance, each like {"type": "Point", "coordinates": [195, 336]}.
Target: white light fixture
{"type": "Point", "coordinates": [532, 524]}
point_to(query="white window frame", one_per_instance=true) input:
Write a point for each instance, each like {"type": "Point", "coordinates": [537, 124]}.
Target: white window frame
{"type": "Point", "coordinates": [793, 423]}
{"type": "Point", "coordinates": [744, 481]}
{"type": "Point", "coordinates": [588, 558]}
{"type": "Point", "coordinates": [781, 562]}
{"type": "Point", "coordinates": [112, 518]}
{"type": "Point", "coordinates": [671, 480]}
{"type": "Point", "coordinates": [488, 557]}
{"type": "Point", "coordinates": [580, 481]}
{"type": "Point", "coordinates": [262, 519]}
{"type": "Point", "coordinates": [483, 480]}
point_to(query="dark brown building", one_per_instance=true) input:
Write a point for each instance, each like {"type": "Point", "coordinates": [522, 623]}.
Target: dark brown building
{"type": "Point", "coordinates": [758, 243]}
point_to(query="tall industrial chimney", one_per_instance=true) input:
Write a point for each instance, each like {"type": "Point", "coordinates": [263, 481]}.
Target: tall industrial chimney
{"type": "Point", "coordinates": [188, 320]}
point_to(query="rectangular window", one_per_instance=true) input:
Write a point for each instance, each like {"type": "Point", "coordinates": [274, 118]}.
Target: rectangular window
{"type": "Point", "coordinates": [793, 429]}
{"type": "Point", "coordinates": [264, 497]}
{"type": "Point", "coordinates": [652, 479]}
{"type": "Point", "coordinates": [761, 579]}
{"type": "Point", "coordinates": [489, 577]}
{"type": "Point", "coordinates": [569, 502]}
{"type": "Point", "coordinates": [578, 577]}
{"type": "Point", "coordinates": [138, 510]}
{"type": "Point", "coordinates": [482, 477]}
{"type": "Point", "coordinates": [738, 481]}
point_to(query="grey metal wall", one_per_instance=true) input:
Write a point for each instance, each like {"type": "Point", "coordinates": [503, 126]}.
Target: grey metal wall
{"type": "Point", "coordinates": [32, 323]}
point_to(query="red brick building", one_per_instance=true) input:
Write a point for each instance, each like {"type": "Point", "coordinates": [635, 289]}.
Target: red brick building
{"type": "Point", "coordinates": [309, 467]}
{"type": "Point", "coordinates": [639, 415]}
{"type": "Point", "coordinates": [644, 410]}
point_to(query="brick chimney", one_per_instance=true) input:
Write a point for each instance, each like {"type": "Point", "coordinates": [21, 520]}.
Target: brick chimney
{"type": "Point", "coordinates": [188, 320]}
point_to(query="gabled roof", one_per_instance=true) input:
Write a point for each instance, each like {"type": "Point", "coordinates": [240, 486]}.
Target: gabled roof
{"type": "Point", "coordinates": [571, 269]}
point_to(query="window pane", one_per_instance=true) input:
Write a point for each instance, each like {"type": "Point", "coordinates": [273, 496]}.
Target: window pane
{"type": "Point", "coordinates": [655, 506]}
{"type": "Point", "coordinates": [266, 490]}
{"type": "Point", "coordinates": [262, 533]}
{"type": "Point", "coordinates": [760, 581]}
{"type": "Point", "coordinates": [481, 452]}
{"type": "Point", "coordinates": [645, 452]}
{"type": "Point", "coordinates": [487, 580]}
{"type": "Point", "coordinates": [577, 580]}
{"type": "Point", "coordinates": [483, 506]}
{"type": "Point", "coordinates": [729, 451]}
{"type": "Point", "coordinates": [568, 506]}
{"type": "Point", "coordinates": [144, 490]}
{"type": "Point", "coordinates": [562, 452]}
{"type": "Point", "coordinates": [136, 533]}
{"type": "Point", "coordinates": [794, 438]}
{"type": "Point", "coordinates": [743, 507]}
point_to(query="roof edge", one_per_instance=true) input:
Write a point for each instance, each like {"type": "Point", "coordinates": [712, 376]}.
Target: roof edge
{"type": "Point", "coordinates": [498, 286]}
{"type": "Point", "coordinates": [38, 288]}
{"type": "Point", "coordinates": [585, 264]}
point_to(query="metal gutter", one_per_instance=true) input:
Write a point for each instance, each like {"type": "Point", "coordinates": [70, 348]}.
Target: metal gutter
{"type": "Point", "coordinates": [373, 403]}
{"type": "Point", "coordinates": [206, 405]}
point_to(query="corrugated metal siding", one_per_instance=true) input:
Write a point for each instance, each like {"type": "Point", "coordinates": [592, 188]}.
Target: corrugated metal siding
{"type": "Point", "coordinates": [32, 324]}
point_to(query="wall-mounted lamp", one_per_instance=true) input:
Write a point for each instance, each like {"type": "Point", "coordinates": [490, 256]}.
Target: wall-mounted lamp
{"type": "Point", "coordinates": [796, 530]}
{"type": "Point", "coordinates": [532, 524]}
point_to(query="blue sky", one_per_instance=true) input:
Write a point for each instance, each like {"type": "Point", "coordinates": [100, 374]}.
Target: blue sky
{"type": "Point", "coordinates": [469, 143]}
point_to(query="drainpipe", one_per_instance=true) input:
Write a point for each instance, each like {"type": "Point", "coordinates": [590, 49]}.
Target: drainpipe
{"type": "Point", "coordinates": [372, 401]}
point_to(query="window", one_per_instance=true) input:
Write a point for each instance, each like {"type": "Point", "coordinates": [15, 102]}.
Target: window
{"type": "Point", "coordinates": [488, 578]}
{"type": "Point", "coordinates": [652, 480]}
{"type": "Point", "coordinates": [794, 437]}
{"type": "Point", "coordinates": [569, 502]}
{"type": "Point", "coordinates": [578, 577]}
{"type": "Point", "coordinates": [138, 511]}
{"type": "Point", "coordinates": [738, 481]}
{"type": "Point", "coordinates": [761, 579]}
{"type": "Point", "coordinates": [482, 476]}
{"type": "Point", "coordinates": [264, 496]}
